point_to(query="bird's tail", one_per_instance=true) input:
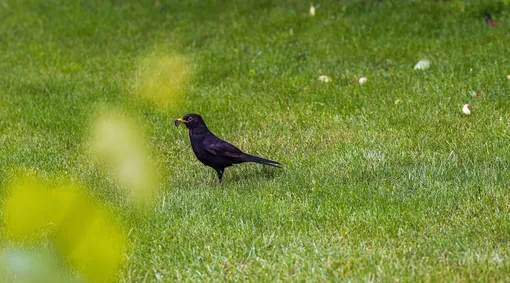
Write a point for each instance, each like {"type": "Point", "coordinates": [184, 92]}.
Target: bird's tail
{"type": "Point", "coordinates": [252, 158]}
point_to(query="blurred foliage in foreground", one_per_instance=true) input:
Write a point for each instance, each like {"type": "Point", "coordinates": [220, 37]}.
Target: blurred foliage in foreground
{"type": "Point", "coordinates": [81, 230]}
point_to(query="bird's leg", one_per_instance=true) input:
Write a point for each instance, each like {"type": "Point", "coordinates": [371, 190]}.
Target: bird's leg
{"type": "Point", "coordinates": [220, 174]}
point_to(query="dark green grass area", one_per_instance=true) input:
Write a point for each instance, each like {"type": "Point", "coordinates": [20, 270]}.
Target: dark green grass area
{"type": "Point", "coordinates": [386, 181]}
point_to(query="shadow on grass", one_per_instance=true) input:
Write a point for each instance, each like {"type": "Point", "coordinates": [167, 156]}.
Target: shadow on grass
{"type": "Point", "coordinates": [251, 173]}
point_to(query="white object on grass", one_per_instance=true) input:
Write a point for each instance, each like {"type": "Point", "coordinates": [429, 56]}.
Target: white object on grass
{"type": "Point", "coordinates": [422, 64]}
{"type": "Point", "coordinates": [466, 109]}
{"type": "Point", "coordinates": [324, 79]}
{"type": "Point", "coordinates": [312, 10]}
{"type": "Point", "coordinates": [362, 80]}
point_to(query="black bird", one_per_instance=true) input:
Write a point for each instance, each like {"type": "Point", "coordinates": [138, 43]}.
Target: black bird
{"type": "Point", "coordinates": [213, 151]}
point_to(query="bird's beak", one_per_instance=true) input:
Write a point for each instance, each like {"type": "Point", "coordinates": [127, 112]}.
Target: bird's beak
{"type": "Point", "coordinates": [177, 122]}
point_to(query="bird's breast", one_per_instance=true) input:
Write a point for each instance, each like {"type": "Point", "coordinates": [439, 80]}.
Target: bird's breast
{"type": "Point", "coordinates": [197, 144]}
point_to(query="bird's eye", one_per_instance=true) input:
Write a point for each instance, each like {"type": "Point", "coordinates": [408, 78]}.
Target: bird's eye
{"type": "Point", "coordinates": [190, 119]}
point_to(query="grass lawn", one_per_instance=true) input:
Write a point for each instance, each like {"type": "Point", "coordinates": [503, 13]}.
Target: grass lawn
{"type": "Point", "coordinates": [388, 181]}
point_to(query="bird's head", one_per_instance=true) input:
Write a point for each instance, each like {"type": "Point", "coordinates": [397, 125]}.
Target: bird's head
{"type": "Point", "coordinates": [191, 121]}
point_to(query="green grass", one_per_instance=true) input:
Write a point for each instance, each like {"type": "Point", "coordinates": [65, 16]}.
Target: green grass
{"type": "Point", "coordinates": [387, 181]}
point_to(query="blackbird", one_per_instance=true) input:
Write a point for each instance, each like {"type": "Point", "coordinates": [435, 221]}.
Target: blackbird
{"type": "Point", "coordinates": [213, 151]}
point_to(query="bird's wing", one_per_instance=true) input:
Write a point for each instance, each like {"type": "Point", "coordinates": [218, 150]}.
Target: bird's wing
{"type": "Point", "coordinates": [219, 147]}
